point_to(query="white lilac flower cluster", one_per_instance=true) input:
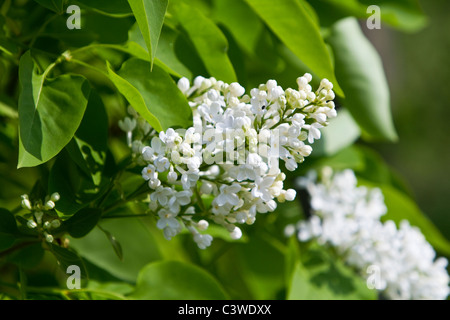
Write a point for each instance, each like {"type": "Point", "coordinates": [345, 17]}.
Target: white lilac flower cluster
{"type": "Point", "coordinates": [224, 169]}
{"type": "Point", "coordinates": [347, 218]}
{"type": "Point", "coordinates": [41, 218]}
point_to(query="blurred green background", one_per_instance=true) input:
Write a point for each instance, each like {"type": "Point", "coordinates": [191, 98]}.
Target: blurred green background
{"type": "Point", "coordinates": [418, 71]}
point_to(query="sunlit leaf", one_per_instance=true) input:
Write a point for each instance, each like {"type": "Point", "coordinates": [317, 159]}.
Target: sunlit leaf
{"type": "Point", "coordinates": [209, 41]}
{"type": "Point", "coordinates": [138, 246]}
{"type": "Point", "coordinates": [149, 15]}
{"type": "Point", "coordinates": [290, 21]}
{"type": "Point", "coordinates": [153, 94]}
{"type": "Point", "coordinates": [340, 133]}
{"type": "Point", "coordinates": [173, 280]}
{"type": "Point", "coordinates": [82, 222]}
{"type": "Point", "coordinates": [405, 15]}
{"type": "Point", "coordinates": [360, 72]}
{"type": "Point", "coordinates": [320, 277]}
{"type": "Point", "coordinates": [50, 111]}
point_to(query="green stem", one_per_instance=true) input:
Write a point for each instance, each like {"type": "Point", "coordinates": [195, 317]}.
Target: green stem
{"type": "Point", "coordinates": [49, 68]}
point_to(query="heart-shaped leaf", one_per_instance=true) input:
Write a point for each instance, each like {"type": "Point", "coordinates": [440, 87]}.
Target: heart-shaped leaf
{"type": "Point", "coordinates": [50, 111]}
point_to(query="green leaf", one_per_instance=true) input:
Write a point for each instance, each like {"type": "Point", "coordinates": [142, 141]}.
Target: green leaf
{"type": "Point", "coordinates": [173, 280]}
{"type": "Point", "coordinates": [88, 147]}
{"type": "Point", "coordinates": [166, 53]}
{"type": "Point", "coordinates": [8, 229]}
{"type": "Point", "coordinates": [82, 222]}
{"type": "Point", "coordinates": [95, 27]}
{"type": "Point", "coordinates": [263, 266]}
{"type": "Point", "coordinates": [139, 247]}
{"type": "Point", "coordinates": [76, 188]}
{"type": "Point", "coordinates": [109, 7]}
{"type": "Point", "coordinates": [360, 71]}
{"type": "Point", "coordinates": [405, 15]}
{"type": "Point", "coordinates": [114, 243]}
{"type": "Point", "coordinates": [54, 5]}
{"type": "Point", "coordinates": [149, 15]}
{"type": "Point", "coordinates": [243, 23]}
{"type": "Point", "coordinates": [165, 56]}
{"type": "Point", "coordinates": [66, 258]}
{"type": "Point", "coordinates": [376, 170]}
{"type": "Point", "coordinates": [29, 256]}
{"type": "Point", "coordinates": [209, 41]}
{"type": "Point", "coordinates": [320, 277]}
{"type": "Point", "coordinates": [348, 158]}
{"type": "Point", "coordinates": [153, 94]}
{"type": "Point", "coordinates": [340, 133]}
{"type": "Point", "coordinates": [290, 21]}
{"type": "Point", "coordinates": [401, 207]}
{"type": "Point", "coordinates": [50, 111]}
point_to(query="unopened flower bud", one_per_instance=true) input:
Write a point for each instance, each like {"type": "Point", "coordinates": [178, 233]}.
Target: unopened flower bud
{"type": "Point", "coordinates": [48, 237]}
{"type": "Point", "coordinates": [49, 205]}
{"type": "Point", "coordinates": [172, 176]}
{"type": "Point", "coordinates": [183, 85]}
{"type": "Point", "coordinates": [236, 89]}
{"type": "Point", "coordinates": [56, 223]}
{"type": "Point", "coordinates": [308, 77]}
{"type": "Point", "coordinates": [31, 224]}
{"type": "Point", "coordinates": [26, 204]}
{"type": "Point", "coordinates": [326, 84]}
{"type": "Point", "coordinates": [236, 233]}
{"type": "Point", "coordinates": [55, 196]}
{"type": "Point", "coordinates": [202, 225]}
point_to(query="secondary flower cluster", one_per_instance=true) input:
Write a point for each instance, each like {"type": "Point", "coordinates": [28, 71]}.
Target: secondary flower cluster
{"type": "Point", "coordinates": [225, 168]}
{"type": "Point", "coordinates": [41, 218]}
{"type": "Point", "coordinates": [347, 218]}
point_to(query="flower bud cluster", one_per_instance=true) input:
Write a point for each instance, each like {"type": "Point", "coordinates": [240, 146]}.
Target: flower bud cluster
{"type": "Point", "coordinates": [42, 217]}
{"type": "Point", "coordinates": [347, 218]}
{"type": "Point", "coordinates": [225, 168]}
